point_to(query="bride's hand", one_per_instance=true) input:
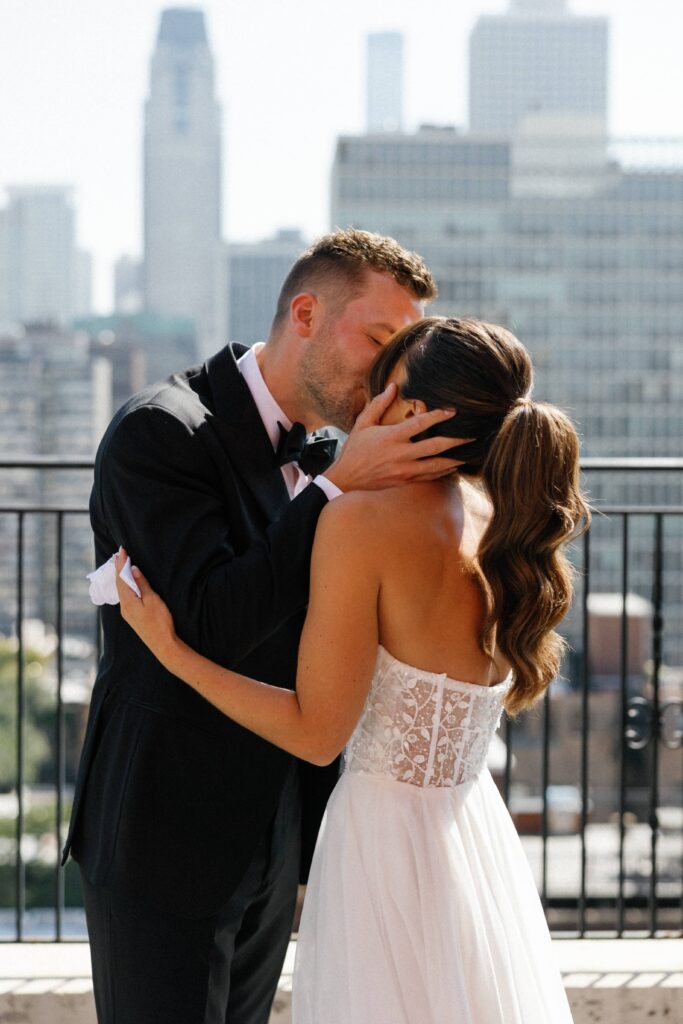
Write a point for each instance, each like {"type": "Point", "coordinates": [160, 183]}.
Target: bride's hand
{"type": "Point", "coordinates": [147, 615]}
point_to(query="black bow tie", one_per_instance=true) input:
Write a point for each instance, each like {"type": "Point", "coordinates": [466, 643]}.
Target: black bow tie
{"type": "Point", "coordinates": [313, 454]}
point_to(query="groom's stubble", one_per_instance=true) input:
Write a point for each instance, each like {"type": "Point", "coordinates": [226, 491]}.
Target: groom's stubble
{"type": "Point", "coordinates": [329, 386]}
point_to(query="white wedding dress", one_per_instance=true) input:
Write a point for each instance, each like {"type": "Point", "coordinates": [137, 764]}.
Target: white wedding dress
{"type": "Point", "coordinates": [421, 907]}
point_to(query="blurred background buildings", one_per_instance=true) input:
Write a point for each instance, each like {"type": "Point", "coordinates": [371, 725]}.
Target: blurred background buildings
{"type": "Point", "coordinates": [43, 275]}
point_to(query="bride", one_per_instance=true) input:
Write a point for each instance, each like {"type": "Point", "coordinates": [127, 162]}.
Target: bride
{"type": "Point", "coordinates": [432, 608]}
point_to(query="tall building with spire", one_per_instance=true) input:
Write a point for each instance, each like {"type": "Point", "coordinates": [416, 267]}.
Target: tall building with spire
{"type": "Point", "coordinates": [384, 82]}
{"type": "Point", "coordinates": [182, 178]}
{"type": "Point", "coordinates": [537, 58]}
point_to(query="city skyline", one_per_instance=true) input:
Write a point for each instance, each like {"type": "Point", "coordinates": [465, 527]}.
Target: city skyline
{"type": "Point", "coordinates": [99, 54]}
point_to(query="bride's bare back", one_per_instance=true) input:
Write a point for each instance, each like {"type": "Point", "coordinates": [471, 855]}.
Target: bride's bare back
{"type": "Point", "coordinates": [430, 606]}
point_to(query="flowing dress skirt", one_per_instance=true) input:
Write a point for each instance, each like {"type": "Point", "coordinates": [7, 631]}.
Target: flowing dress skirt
{"type": "Point", "coordinates": [421, 909]}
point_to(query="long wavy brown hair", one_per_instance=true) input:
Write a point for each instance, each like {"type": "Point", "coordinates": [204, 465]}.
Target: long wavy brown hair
{"type": "Point", "coordinates": [526, 454]}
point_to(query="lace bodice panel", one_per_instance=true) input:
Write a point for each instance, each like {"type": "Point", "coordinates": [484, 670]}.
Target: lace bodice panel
{"type": "Point", "coordinates": [423, 728]}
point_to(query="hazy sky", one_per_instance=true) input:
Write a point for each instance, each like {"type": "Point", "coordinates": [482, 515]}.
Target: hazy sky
{"type": "Point", "coordinates": [290, 76]}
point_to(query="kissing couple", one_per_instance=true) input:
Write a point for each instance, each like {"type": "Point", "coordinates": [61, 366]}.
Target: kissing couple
{"type": "Point", "coordinates": [293, 610]}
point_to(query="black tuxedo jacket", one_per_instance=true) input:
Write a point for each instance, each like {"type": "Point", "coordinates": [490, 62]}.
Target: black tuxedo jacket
{"type": "Point", "coordinates": [172, 796]}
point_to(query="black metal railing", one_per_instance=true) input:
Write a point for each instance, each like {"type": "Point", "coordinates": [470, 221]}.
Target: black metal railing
{"type": "Point", "coordinates": [646, 723]}
{"type": "Point", "coordinates": [645, 895]}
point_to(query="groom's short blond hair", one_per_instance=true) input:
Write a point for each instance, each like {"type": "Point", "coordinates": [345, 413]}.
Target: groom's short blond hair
{"type": "Point", "coordinates": [339, 261]}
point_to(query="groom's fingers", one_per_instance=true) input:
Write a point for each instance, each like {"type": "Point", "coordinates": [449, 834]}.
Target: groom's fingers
{"type": "Point", "coordinates": [374, 410]}
{"type": "Point", "coordinates": [377, 456]}
{"type": "Point", "coordinates": [432, 469]}
{"type": "Point", "coordinates": [423, 421]}
{"type": "Point", "coordinates": [436, 446]}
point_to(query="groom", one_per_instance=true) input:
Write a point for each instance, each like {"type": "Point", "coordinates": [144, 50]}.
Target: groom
{"type": "Point", "coordinates": [192, 833]}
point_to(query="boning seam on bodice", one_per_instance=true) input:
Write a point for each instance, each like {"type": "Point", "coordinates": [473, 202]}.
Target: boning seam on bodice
{"type": "Point", "coordinates": [436, 719]}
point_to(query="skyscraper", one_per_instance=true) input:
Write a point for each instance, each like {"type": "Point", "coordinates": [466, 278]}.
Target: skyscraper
{"type": "Point", "coordinates": [536, 58]}
{"type": "Point", "coordinates": [589, 277]}
{"type": "Point", "coordinates": [182, 176]}
{"type": "Point", "coordinates": [46, 278]}
{"type": "Point", "coordinates": [256, 273]}
{"type": "Point", "coordinates": [384, 82]}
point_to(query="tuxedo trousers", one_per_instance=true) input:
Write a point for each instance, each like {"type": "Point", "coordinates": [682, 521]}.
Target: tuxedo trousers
{"type": "Point", "coordinates": [151, 967]}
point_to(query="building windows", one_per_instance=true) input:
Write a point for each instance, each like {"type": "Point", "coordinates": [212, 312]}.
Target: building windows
{"type": "Point", "coordinates": [181, 98]}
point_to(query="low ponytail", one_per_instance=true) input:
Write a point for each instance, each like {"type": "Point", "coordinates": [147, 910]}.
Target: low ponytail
{"type": "Point", "coordinates": [531, 473]}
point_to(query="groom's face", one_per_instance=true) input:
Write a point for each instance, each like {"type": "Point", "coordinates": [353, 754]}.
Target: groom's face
{"type": "Point", "coordinates": [338, 358]}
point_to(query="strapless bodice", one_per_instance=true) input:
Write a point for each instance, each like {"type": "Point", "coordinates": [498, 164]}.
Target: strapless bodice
{"type": "Point", "coordinates": [423, 728]}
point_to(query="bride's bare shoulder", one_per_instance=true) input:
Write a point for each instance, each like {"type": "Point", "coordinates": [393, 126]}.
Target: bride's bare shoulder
{"type": "Point", "coordinates": [351, 534]}
{"type": "Point", "coordinates": [376, 515]}
{"type": "Point", "coordinates": [357, 510]}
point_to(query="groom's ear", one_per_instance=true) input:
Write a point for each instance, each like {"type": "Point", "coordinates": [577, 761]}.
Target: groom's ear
{"type": "Point", "coordinates": [302, 313]}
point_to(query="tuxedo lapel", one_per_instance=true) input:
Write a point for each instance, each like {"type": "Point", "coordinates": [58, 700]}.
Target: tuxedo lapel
{"type": "Point", "coordinates": [241, 428]}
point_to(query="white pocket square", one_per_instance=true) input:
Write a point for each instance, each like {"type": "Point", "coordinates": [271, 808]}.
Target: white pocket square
{"type": "Point", "coordinates": [103, 582]}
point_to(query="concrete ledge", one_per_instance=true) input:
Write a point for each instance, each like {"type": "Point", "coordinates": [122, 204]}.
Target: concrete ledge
{"type": "Point", "coordinates": [619, 981]}
{"type": "Point", "coordinates": [627, 981]}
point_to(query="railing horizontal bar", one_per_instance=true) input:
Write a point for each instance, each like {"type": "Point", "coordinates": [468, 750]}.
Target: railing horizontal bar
{"type": "Point", "coordinates": [639, 510]}
{"type": "Point", "coordinates": [44, 510]}
{"type": "Point", "coordinates": [589, 464]}
{"type": "Point", "coordinates": [47, 462]}
{"type": "Point", "coordinates": [611, 510]}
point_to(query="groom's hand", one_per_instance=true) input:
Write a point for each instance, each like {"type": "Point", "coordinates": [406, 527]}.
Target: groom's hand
{"type": "Point", "coordinates": [376, 457]}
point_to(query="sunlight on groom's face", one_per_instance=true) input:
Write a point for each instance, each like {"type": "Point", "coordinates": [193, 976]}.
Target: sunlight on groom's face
{"type": "Point", "coordinates": [337, 364]}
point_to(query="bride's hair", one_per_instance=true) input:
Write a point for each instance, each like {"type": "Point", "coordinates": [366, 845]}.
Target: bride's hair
{"type": "Point", "coordinates": [527, 455]}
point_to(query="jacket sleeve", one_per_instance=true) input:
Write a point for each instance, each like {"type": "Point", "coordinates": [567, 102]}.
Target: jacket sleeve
{"type": "Point", "coordinates": [157, 493]}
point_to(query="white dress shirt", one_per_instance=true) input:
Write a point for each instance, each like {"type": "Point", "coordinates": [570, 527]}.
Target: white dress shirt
{"type": "Point", "coordinates": [271, 414]}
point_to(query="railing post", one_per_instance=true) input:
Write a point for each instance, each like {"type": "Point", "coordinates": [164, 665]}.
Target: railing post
{"type": "Point", "coordinates": [657, 638]}
{"type": "Point", "coordinates": [20, 878]}
{"type": "Point", "coordinates": [545, 779]}
{"type": "Point", "coordinates": [623, 692]}
{"type": "Point", "coordinates": [59, 730]}
{"type": "Point", "coordinates": [585, 687]}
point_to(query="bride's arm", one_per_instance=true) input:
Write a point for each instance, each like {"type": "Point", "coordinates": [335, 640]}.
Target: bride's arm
{"type": "Point", "coordinates": [337, 652]}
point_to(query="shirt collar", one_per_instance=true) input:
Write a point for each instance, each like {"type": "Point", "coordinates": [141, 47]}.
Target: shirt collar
{"type": "Point", "coordinates": [270, 412]}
